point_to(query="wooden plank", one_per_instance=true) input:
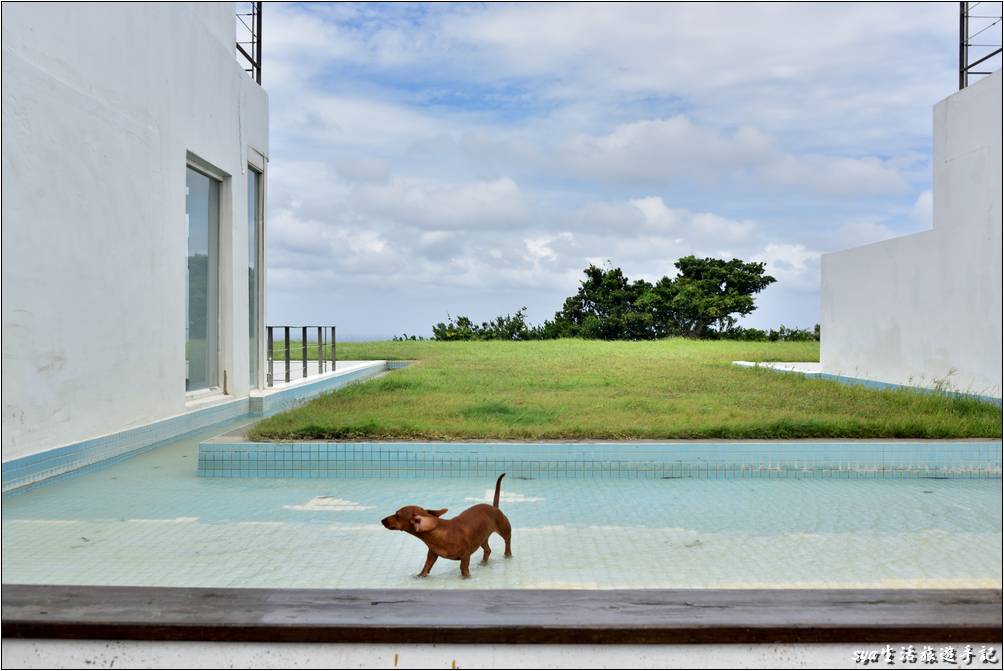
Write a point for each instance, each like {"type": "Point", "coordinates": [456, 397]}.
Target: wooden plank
{"type": "Point", "coordinates": [502, 616]}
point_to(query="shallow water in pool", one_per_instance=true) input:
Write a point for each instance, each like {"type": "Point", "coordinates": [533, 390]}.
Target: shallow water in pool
{"type": "Point", "coordinates": [150, 521]}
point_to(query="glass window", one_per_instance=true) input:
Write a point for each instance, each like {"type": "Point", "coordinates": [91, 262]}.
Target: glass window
{"type": "Point", "coordinates": [254, 241]}
{"type": "Point", "coordinates": [202, 212]}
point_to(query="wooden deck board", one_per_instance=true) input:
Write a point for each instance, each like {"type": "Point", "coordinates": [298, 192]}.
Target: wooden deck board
{"type": "Point", "coordinates": [501, 616]}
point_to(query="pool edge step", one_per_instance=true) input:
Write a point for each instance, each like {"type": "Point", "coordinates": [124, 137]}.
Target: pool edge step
{"type": "Point", "coordinates": [502, 616]}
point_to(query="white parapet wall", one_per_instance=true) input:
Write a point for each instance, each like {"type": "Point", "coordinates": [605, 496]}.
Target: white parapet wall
{"type": "Point", "coordinates": [104, 105]}
{"type": "Point", "coordinates": [925, 309]}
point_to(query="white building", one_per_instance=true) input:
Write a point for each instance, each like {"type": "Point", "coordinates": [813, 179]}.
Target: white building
{"type": "Point", "coordinates": [135, 151]}
{"type": "Point", "coordinates": [925, 309]}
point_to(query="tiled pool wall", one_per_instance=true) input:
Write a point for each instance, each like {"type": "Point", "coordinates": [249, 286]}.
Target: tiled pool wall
{"type": "Point", "coordinates": [77, 458]}
{"type": "Point", "coordinates": [220, 458]}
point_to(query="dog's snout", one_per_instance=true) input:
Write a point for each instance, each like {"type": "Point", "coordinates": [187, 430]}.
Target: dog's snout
{"type": "Point", "coordinates": [385, 522]}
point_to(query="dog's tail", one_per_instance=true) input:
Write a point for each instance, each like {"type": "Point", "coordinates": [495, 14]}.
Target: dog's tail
{"type": "Point", "coordinates": [498, 490]}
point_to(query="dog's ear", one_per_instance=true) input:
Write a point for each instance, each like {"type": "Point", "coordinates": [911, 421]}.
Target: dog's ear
{"type": "Point", "coordinates": [421, 523]}
{"type": "Point", "coordinates": [437, 513]}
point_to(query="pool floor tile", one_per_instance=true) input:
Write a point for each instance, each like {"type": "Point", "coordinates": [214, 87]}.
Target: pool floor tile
{"type": "Point", "coordinates": [151, 521]}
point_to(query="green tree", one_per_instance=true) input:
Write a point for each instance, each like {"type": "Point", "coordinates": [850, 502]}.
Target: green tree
{"type": "Point", "coordinates": [703, 301]}
{"type": "Point", "coordinates": [606, 307]}
{"type": "Point", "coordinates": [710, 294]}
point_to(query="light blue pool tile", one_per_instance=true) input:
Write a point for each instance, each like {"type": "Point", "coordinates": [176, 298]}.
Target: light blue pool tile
{"type": "Point", "coordinates": [622, 461]}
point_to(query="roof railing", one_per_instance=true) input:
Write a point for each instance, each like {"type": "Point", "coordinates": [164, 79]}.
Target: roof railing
{"type": "Point", "coordinates": [316, 356]}
{"type": "Point", "coordinates": [249, 38]}
{"type": "Point", "coordinates": [979, 39]}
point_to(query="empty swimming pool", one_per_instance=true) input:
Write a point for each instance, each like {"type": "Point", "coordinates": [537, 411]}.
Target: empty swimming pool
{"type": "Point", "coordinates": [152, 520]}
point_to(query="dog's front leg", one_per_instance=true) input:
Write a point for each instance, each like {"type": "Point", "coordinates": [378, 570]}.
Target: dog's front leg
{"type": "Point", "coordinates": [465, 566]}
{"type": "Point", "coordinates": [430, 559]}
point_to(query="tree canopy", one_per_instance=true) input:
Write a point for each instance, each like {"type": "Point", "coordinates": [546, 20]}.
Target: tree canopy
{"type": "Point", "coordinates": [704, 300]}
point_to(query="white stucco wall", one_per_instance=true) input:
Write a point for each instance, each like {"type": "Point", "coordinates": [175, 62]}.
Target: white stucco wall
{"type": "Point", "coordinates": [926, 308]}
{"type": "Point", "coordinates": [101, 104]}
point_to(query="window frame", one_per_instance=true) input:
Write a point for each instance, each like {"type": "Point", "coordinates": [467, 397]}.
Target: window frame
{"type": "Point", "coordinates": [216, 383]}
{"type": "Point", "coordinates": [256, 164]}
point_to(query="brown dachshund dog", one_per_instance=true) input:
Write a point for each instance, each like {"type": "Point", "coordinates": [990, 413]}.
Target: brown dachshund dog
{"type": "Point", "coordinates": [456, 538]}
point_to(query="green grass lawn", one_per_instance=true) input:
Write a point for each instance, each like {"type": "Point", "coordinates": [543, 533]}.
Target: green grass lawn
{"type": "Point", "coordinates": [581, 389]}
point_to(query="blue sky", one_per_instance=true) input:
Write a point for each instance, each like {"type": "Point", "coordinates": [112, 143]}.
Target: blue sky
{"type": "Point", "coordinates": [474, 158]}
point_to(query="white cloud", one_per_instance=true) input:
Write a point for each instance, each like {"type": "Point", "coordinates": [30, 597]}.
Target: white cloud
{"type": "Point", "coordinates": [491, 152]}
{"type": "Point", "coordinates": [657, 215]}
{"type": "Point", "coordinates": [540, 248]}
{"type": "Point", "coordinates": [722, 230]}
{"type": "Point", "coordinates": [749, 54]}
{"type": "Point", "coordinates": [836, 176]}
{"type": "Point", "coordinates": [923, 209]}
{"type": "Point", "coordinates": [473, 205]}
{"type": "Point", "coordinates": [612, 218]}
{"type": "Point", "coordinates": [859, 232]}
{"type": "Point", "coordinates": [676, 151]}
{"type": "Point", "coordinates": [363, 169]}
{"type": "Point", "coordinates": [290, 233]}
{"type": "Point", "coordinates": [791, 264]}
{"type": "Point", "coordinates": [661, 150]}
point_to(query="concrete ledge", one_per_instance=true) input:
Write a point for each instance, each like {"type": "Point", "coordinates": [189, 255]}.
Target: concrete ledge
{"type": "Point", "coordinates": [277, 399]}
{"type": "Point", "coordinates": [24, 473]}
{"type": "Point", "coordinates": [74, 459]}
{"type": "Point", "coordinates": [501, 616]}
{"type": "Point", "coordinates": [814, 370]}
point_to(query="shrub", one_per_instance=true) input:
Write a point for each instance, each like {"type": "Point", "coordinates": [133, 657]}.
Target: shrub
{"type": "Point", "coordinates": [505, 327]}
{"type": "Point", "coordinates": [782, 334]}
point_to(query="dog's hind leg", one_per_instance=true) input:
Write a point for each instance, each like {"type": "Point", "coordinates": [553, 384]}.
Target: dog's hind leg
{"type": "Point", "coordinates": [488, 551]}
{"type": "Point", "coordinates": [505, 531]}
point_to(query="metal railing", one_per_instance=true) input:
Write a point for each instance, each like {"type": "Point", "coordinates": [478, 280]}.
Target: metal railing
{"type": "Point", "coordinates": [249, 38]}
{"type": "Point", "coordinates": [322, 345]}
{"type": "Point", "coordinates": [979, 39]}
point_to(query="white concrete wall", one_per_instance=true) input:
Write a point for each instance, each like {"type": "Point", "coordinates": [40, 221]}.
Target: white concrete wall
{"type": "Point", "coordinates": [101, 103]}
{"type": "Point", "coordinates": [926, 308]}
